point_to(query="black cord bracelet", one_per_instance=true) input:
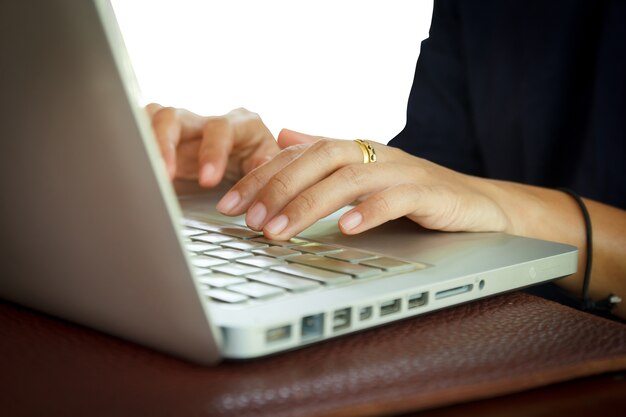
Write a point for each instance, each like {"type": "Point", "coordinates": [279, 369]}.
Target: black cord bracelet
{"type": "Point", "coordinates": [587, 303]}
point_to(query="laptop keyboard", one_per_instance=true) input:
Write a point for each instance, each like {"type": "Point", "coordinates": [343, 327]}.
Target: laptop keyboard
{"type": "Point", "coordinates": [236, 265]}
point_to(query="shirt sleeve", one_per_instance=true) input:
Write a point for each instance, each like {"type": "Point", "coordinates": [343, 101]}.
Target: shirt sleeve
{"type": "Point", "coordinates": [439, 126]}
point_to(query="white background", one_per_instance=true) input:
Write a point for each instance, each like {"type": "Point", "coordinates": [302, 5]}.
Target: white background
{"type": "Point", "coordinates": [337, 68]}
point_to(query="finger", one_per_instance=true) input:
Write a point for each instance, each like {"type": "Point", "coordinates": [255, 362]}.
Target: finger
{"type": "Point", "coordinates": [323, 198]}
{"type": "Point", "coordinates": [263, 153]}
{"type": "Point", "coordinates": [167, 130]}
{"type": "Point", "coordinates": [288, 138]}
{"type": "Point", "coordinates": [237, 200]}
{"type": "Point", "coordinates": [172, 127]}
{"type": "Point", "coordinates": [250, 130]}
{"type": "Point", "coordinates": [152, 108]}
{"type": "Point", "coordinates": [240, 130]}
{"type": "Point", "coordinates": [317, 162]}
{"type": "Point", "coordinates": [217, 144]}
{"type": "Point", "coordinates": [257, 159]}
{"type": "Point", "coordinates": [191, 123]}
{"type": "Point", "coordinates": [388, 204]}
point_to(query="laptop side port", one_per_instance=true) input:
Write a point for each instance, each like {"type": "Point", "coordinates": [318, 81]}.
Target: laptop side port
{"type": "Point", "coordinates": [453, 291]}
{"type": "Point", "coordinates": [390, 307]}
{"type": "Point", "coordinates": [341, 319]}
{"type": "Point", "coordinates": [312, 327]}
{"type": "Point", "coordinates": [278, 334]}
{"type": "Point", "coordinates": [365, 313]}
{"type": "Point", "coordinates": [417, 300]}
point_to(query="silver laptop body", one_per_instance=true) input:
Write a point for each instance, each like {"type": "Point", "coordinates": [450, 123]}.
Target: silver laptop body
{"type": "Point", "coordinates": [92, 226]}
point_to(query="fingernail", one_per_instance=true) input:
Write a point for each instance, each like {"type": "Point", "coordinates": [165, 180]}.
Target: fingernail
{"type": "Point", "coordinates": [351, 220]}
{"type": "Point", "coordinates": [228, 202]}
{"type": "Point", "coordinates": [207, 172]}
{"type": "Point", "coordinates": [277, 224]}
{"type": "Point", "coordinates": [256, 215]}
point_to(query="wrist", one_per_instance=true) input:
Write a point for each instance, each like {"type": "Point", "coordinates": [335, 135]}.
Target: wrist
{"type": "Point", "coordinates": [523, 209]}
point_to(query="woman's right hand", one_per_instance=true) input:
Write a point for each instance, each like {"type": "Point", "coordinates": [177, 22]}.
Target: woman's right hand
{"type": "Point", "coordinates": [313, 177]}
{"type": "Point", "coordinates": [208, 149]}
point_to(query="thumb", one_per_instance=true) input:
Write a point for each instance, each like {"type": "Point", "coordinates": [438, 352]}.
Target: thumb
{"type": "Point", "coordinates": [287, 138]}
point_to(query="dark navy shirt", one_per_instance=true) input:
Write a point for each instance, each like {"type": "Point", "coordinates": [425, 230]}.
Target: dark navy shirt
{"type": "Point", "coordinates": [532, 91]}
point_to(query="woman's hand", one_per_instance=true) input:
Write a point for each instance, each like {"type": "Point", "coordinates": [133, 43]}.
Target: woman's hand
{"type": "Point", "coordinates": [209, 148]}
{"type": "Point", "coordinates": [312, 177]}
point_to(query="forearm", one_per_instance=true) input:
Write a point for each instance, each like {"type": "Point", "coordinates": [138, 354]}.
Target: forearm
{"type": "Point", "coordinates": [554, 215]}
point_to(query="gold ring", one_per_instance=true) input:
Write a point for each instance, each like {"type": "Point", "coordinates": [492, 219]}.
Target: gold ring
{"type": "Point", "coordinates": [369, 154]}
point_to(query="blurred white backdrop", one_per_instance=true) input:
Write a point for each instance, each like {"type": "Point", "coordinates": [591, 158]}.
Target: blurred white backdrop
{"type": "Point", "coordinates": [337, 68]}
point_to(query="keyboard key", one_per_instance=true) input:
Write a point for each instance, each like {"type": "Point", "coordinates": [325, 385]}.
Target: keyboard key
{"type": "Point", "coordinates": [276, 252]}
{"type": "Point", "coordinates": [200, 246]}
{"type": "Point", "coordinates": [257, 290]}
{"type": "Point", "coordinates": [219, 280]}
{"type": "Point", "coordinates": [317, 248]}
{"type": "Point", "coordinates": [244, 245]}
{"type": "Point", "coordinates": [261, 261]}
{"type": "Point", "coordinates": [196, 224]}
{"type": "Point", "coordinates": [288, 282]}
{"type": "Point", "coordinates": [202, 261]}
{"type": "Point", "coordinates": [343, 267]}
{"type": "Point", "coordinates": [240, 232]}
{"type": "Point", "coordinates": [226, 296]}
{"type": "Point", "coordinates": [392, 265]}
{"type": "Point", "coordinates": [351, 255]}
{"type": "Point", "coordinates": [215, 238]}
{"type": "Point", "coordinates": [229, 254]}
{"type": "Point", "coordinates": [284, 243]}
{"type": "Point", "coordinates": [236, 269]}
{"type": "Point", "coordinates": [305, 271]}
{"type": "Point", "coordinates": [186, 232]}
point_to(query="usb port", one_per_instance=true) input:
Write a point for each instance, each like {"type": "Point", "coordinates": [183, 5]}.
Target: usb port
{"type": "Point", "coordinates": [390, 307]}
{"type": "Point", "coordinates": [417, 300]}
{"type": "Point", "coordinates": [278, 333]}
{"type": "Point", "coordinates": [365, 313]}
{"type": "Point", "coordinates": [312, 326]}
{"type": "Point", "coordinates": [341, 319]}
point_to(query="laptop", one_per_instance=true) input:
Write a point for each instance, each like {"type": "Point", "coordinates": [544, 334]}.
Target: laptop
{"type": "Point", "coordinates": [95, 233]}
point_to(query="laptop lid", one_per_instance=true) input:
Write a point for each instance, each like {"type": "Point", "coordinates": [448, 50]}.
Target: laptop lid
{"type": "Point", "coordinates": [86, 212]}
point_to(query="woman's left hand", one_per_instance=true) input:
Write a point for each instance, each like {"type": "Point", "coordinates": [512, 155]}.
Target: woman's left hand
{"type": "Point", "coordinates": [313, 177]}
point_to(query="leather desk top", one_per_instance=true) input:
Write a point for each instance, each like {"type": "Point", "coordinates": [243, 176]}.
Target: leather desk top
{"type": "Point", "coordinates": [490, 348]}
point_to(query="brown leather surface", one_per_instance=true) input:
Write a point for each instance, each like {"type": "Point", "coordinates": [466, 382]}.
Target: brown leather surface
{"type": "Point", "coordinates": [483, 349]}
{"type": "Point", "coordinates": [601, 395]}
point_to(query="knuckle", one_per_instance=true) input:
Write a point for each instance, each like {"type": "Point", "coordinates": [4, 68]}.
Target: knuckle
{"type": "Point", "coordinates": [243, 115]}
{"type": "Point", "coordinates": [256, 180]}
{"type": "Point", "coordinates": [324, 150]}
{"type": "Point", "coordinates": [381, 205]}
{"type": "Point", "coordinates": [152, 108]}
{"type": "Point", "coordinates": [215, 122]}
{"type": "Point", "coordinates": [252, 115]}
{"type": "Point", "coordinates": [240, 111]}
{"type": "Point", "coordinates": [353, 174]}
{"type": "Point", "coordinates": [166, 114]}
{"type": "Point", "coordinates": [411, 188]}
{"type": "Point", "coordinates": [280, 184]}
{"type": "Point", "coordinates": [292, 152]}
{"type": "Point", "coordinates": [304, 203]}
